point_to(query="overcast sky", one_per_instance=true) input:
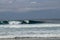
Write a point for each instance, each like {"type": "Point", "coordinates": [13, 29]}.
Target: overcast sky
{"type": "Point", "coordinates": [29, 9]}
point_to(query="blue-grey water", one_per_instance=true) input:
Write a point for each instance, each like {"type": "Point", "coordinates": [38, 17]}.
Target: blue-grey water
{"type": "Point", "coordinates": [29, 31]}
{"type": "Point", "coordinates": [5, 31]}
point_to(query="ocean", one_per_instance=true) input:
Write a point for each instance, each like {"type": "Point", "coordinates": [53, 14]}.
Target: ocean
{"type": "Point", "coordinates": [29, 32]}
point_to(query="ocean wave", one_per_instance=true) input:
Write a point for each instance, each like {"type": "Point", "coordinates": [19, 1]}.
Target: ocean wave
{"type": "Point", "coordinates": [30, 30]}
{"type": "Point", "coordinates": [30, 25]}
{"type": "Point", "coordinates": [31, 33]}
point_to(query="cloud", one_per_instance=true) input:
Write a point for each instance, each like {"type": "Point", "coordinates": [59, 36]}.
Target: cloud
{"type": "Point", "coordinates": [37, 3]}
{"type": "Point", "coordinates": [28, 5]}
{"type": "Point", "coordinates": [33, 2]}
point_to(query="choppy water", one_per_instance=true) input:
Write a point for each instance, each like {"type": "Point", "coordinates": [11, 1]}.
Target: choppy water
{"type": "Point", "coordinates": [31, 31]}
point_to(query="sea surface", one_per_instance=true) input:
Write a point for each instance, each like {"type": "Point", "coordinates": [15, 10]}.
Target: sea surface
{"type": "Point", "coordinates": [29, 32]}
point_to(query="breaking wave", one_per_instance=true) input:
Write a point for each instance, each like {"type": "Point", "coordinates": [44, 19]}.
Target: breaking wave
{"type": "Point", "coordinates": [18, 29]}
{"type": "Point", "coordinates": [30, 32]}
{"type": "Point", "coordinates": [29, 25]}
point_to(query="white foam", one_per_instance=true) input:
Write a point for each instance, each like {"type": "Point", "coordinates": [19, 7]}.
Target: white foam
{"type": "Point", "coordinates": [40, 35]}
{"type": "Point", "coordinates": [30, 25]}
{"type": "Point", "coordinates": [35, 35]}
{"type": "Point", "coordinates": [7, 36]}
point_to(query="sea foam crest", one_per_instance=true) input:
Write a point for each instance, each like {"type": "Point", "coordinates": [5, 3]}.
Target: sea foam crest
{"type": "Point", "coordinates": [29, 25]}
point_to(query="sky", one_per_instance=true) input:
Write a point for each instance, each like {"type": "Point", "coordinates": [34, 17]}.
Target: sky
{"type": "Point", "coordinates": [29, 9]}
